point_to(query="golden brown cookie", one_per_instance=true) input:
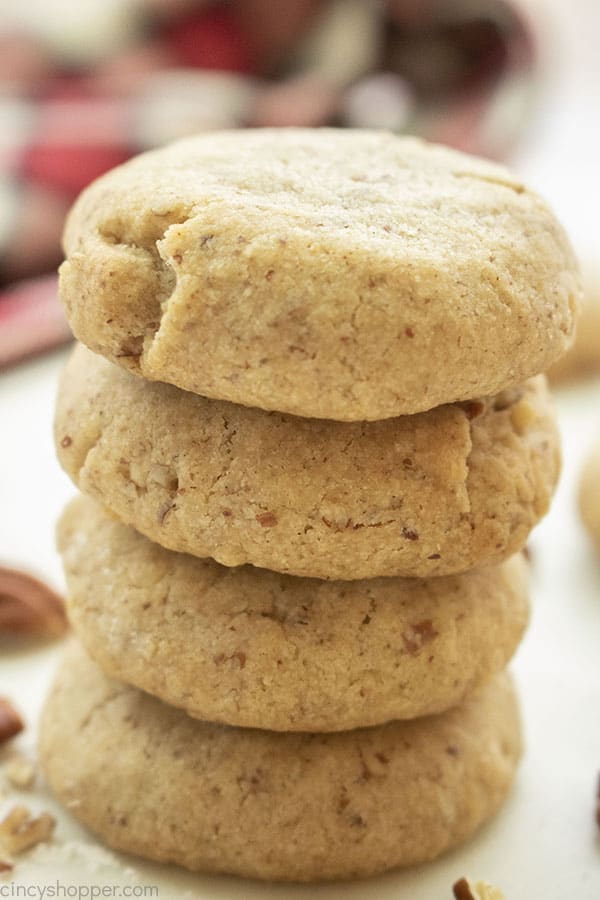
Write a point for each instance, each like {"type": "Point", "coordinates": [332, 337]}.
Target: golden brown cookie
{"type": "Point", "coordinates": [421, 495]}
{"type": "Point", "coordinates": [350, 275]}
{"type": "Point", "coordinates": [150, 780]}
{"type": "Point", "coordinates": [250, 647]}
{"type": "Point", "coordinates": [583, 359]}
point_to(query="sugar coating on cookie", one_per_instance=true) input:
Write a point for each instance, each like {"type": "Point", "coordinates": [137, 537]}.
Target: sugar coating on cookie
{"type": "Point", "coordinates": [152, 781]}
{"type": "Point", "coordinates": [350, 275]}
{"type": "Point", "coordinates": [250, 647]}
{"type": "Point", "coordinates": [429, 494]}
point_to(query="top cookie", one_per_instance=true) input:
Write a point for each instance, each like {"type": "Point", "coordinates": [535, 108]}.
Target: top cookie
{"type": "Point", "coordinates": [334, 274]}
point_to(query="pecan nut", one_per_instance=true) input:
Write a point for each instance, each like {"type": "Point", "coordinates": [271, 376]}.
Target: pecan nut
{"type": "Point", "coordinates": [29, 607]}
{"type": "Point", "coordinates": [11, 722]}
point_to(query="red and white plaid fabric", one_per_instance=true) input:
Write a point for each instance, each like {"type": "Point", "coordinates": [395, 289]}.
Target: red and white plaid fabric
{"type": "Point", "coordinates": [458, 72]}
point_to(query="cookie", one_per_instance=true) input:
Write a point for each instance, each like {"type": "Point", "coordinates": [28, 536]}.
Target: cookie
{"type": "Point", "coordinates": [589, 494]}
{"type": "Point", "coordinates": [421, 495]}
{"type": "Point", "coordinates": [582, 362]}
{"type": "Point", "coordinates": [253, 648]}
{"type": "Point", "coordinates": [583, 359]}
{"type": "Point", "coordinates": [152, 781]}
{"type": "Point", "coordinates": [347, 275]}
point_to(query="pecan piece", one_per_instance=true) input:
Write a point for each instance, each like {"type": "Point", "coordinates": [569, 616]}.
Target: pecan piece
{"type": "Point", "coordinates": [462, 890]}
{"type": "Point", "coordinates": [19, 830]}
{"type": "Point", "coordinates": [11, 722]}
{"type": "Point", "coordinates": [416, 636]}
{"type": "Point", "coordinates": [267, 519]}
{"type": "Point", "coordinates": [29, 607]}
{"type": "Point", "coordinates": [467, 890]}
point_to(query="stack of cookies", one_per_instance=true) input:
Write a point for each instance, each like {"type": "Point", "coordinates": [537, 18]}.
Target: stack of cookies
{"type": "Point", "coordinates": [311, 450]}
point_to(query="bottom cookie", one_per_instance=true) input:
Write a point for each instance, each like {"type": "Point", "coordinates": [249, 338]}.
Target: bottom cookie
{"type": "Point", "coordinates": [150, 780]}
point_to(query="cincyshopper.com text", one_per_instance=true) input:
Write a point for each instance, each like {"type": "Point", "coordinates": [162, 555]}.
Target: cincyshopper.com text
{"type": "Point", "coordinates": [59, 891]}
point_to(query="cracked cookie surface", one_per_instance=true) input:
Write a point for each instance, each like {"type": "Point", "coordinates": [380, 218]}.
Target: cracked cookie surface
{"type": "Point", "coordinates": [429, 494]}
{"type": "Point", "coordinates": [254, 648]}
{"type": "Point", "coordinates": [291, 807]}
{"type": "Point", "coordinates": [331, 274]}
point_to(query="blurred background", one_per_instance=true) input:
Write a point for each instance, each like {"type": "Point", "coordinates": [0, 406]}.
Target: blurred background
{"type": "Point", "coordinates": [85, 85]}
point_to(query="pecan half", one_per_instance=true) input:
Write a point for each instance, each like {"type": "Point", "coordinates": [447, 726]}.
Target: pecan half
{"type": "Point", "coordinates": [29, 607]}
{"type": "Point", "coordinates": [11, 722]}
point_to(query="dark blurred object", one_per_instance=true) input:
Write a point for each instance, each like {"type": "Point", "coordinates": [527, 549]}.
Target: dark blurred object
{"type": "Point", "coordinates": [456, 71]}
{"type": "Point", "coordinates": [445, 56]}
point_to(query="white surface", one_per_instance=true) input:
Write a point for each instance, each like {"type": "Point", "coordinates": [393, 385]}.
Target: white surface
{"type": "Point", "coordinates": [560, 152]}
{"type": "Point", "coordinates": [544, 844]}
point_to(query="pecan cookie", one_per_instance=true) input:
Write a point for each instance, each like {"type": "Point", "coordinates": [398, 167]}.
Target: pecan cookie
{"type": "Point", "coordinates": [349, 275]}
{"type": "Point", "coordinates": [250, 647]}
{"type": "Point", "coordinates": [152, 781]}
{"type": "Point", "coordinates": [429, 494]}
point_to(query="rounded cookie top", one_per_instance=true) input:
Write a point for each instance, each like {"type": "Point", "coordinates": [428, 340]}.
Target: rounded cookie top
{"type": "Point", "coordinates": [290, 807]}
{"type": "Point", "coordinates": [430, 494]}
{"type": "Point", "coordinates": [251, 647]}
{"type": "Point", "coordinates": [349, 275]}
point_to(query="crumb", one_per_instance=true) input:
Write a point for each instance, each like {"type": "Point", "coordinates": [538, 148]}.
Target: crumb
{"type": "Point", "coordinates": [20, 772]}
